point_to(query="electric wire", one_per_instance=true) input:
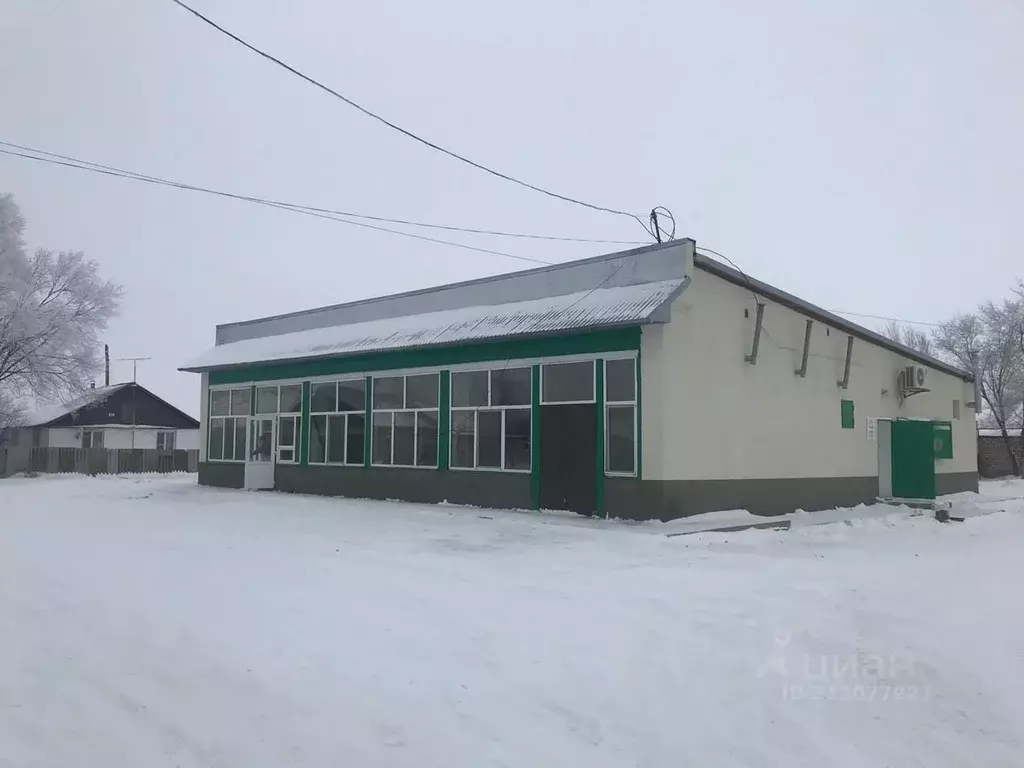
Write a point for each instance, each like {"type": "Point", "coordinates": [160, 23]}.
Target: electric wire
{"type": "Point", "coordinates": [400, 129]}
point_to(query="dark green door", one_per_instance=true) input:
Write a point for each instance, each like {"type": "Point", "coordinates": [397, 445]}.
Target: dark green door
{"type": "Point", "coordinates": [913, 459]}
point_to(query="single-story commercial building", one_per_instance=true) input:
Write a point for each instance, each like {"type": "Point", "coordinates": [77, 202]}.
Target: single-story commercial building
{"type": "Point", "coordinates": [651, 383]}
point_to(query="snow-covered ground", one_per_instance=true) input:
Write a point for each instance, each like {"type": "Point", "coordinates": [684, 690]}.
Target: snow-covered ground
{"type": "Point", "coordinates": [148, 622]}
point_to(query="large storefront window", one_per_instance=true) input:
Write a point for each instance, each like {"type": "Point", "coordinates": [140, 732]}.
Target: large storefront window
{"type": "Point", "coordinates": [491, 421]}
{"type": "Point", "coordinates": [405, 419]}
{"type": "Point", "coordinates": [337, 422]}
{"type": "Point", "coordinates": [229, 412]}
{"type": "Point", "coordinates": [620, 416]}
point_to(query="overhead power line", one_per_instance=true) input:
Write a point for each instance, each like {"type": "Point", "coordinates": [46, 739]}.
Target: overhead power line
{"type": "Point", "coordinates": [404, 131]}
{"type": "Point", "coordinates": [350, 214]}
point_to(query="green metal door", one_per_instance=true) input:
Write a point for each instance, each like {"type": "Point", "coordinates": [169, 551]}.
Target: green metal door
{"type": "Point", "coordinates": [913, 459]}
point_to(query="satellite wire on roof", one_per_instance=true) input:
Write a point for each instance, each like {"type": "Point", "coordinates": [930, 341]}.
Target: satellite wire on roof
{"type": "Point", "coordinates": [405, 132]}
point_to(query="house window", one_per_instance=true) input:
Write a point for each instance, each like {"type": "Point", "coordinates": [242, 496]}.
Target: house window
{"type": "Point", "coordinates": [92, 438]}
{"type": "Point", "coordinates": [404, 427]}
{"type": "Point", "coordinates": [337, 422]}
{"type": "Point", "coordinates": [568, 382]}
{"type": "Point", "coordinates": [165, 440]}
{"type": "Point", "coordinates": [620, 416]}
{"type": "Point", "coordinates": [229, 410]}
{"type": "Point", "coordinates": [491, 424]}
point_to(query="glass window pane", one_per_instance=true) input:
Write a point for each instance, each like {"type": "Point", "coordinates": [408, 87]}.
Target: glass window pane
{"type": "Point", "coordinates": [568, 382]}
{"type": "Point", "coordinates": [291, 398]}
{"type": "Point", "coordinates": [517, 438]}
{"type": "Point", "coordinates": [382, 438]}
{"type": "Point", "coordinates": [352, 395]}
{"type": "Point", "coordinates": [220, 402]}
{"type": "Point", "coordinates": [317, 439]}
{"type": "Point", "coordinates": [287, 454]}
{"type": "Point", "coordinates": [511, 386]}
{"type": "Point", "coordinates": [286, 431]}
{"type": "Point", "coordinates": [620, 438]}
{"type": "Point", "coordinates": [405, 438]}
{"type": "Point", "coordinates": [336, 439]}
{"type": "Point", "coordinates": [266, 399]}
{"type": "Point", "coordinates": [240, 438]}
{"type": "Point", "coordinates": [426, 439]}
{"type": "Point", "coordinates": [356, 438]}
{"type": "Point", "coordinates": [216, 439]}
{"type": "Point", "coordinates": [488, 439]}
{"type": "Point", "coordinates": [387, 393]}
{"type": "Point", "coordinates": [421, 391]}
{"type": "Point", "coordinates": [463, 442]}
{"type": "Point", "coordinates": [240, 402]}
{"type": "Point", "coordinates": [323, 397]}
{"type": "Point", "coordinates": [229, 439]}
{"type": "Point", "coordinates": [620, 380]}
{"type": "Point", "coordinates": [469, 388]}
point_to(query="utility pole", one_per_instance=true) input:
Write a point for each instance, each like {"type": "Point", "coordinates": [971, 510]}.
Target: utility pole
{"type": "Point", "coordinates": [135, 387]}
{"type": "Point", "coordinates": [106, 365]}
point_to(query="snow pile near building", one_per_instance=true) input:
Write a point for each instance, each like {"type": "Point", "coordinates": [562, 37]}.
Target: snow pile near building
{"type": "Point", "coordinates": [150, 622]}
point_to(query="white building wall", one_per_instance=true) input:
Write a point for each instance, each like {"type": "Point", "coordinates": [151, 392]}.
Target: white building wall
{"type": "Point", "coordinates": [710, 415]}
{"type": "Point", "coordinates": [144, 438]}
{"type": "Point", "coordinates": [187, 440]}
{"type": "Point", "coordinates": [64, 437]}
{"type": "Point", "coordinates": [117, 438]}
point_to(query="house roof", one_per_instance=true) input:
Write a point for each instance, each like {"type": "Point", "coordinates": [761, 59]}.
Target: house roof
{"type": "Point", "coordinates": [582, 310]}
{"type": "Point", "coordinates": [48, 415]}
{"type": "Point", "coordinates": [44, 416]}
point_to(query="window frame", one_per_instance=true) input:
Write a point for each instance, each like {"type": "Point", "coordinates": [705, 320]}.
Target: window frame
{"type": "Point", "coordinates": [477, 409]}
{"type": "Point", "coordinates": [91, 433]}
{"type": "Point", "coordinates": [542, 400]}
{"type": "Point", "coordinates": [371, 421]}
{"type": "Point", "coordinates": [336, 413]}
{"type": "Point", "coordinates": [164, 433]}
{"type": "Point", "coordinates": [608, 405]}
{"type": "Point", "coordinates": [211, 418]}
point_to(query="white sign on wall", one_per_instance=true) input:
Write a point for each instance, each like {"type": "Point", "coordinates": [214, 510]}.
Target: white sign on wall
{"type": "Point", "coordinates": [872, 427]}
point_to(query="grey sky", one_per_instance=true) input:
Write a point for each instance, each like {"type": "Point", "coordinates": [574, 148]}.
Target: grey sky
{"type": "Point", "coordinates": [865, 156]}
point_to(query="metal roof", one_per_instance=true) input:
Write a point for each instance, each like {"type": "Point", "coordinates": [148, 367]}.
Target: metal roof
{"type": "Point", "coordinates": [597, 308]}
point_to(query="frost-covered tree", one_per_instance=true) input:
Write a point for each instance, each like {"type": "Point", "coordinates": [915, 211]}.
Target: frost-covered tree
{"type": "Point", "coordinates": [53, 307]}
{"type": "Point", "coordinates": [908, 336]}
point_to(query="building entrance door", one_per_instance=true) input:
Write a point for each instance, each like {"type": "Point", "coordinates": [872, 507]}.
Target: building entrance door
{"type": "Point", "coordinates": [913, 459]}
{"type": "Point", "coordinates": [568, 457]}
{"type": "Point", "coordinates": [262, 449]}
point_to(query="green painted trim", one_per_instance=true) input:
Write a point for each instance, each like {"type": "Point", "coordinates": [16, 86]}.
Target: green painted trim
{"type": "Point", "coordinates": [252, 401]}
{"type": "Point", "coordinates": [304, 426]}
{"type": "Point", "coordinates": [368, 435]}
{"type": "Point", "coordinates": [590, 342]}
{"type": "Point", "coordinates": [535, 439]}
{"type": "Point", "coordinates": [444, 420]}
{"type": "Point", "coordinates": [639, 416]}
{"type": "Point", "coordinates": [599, 386]}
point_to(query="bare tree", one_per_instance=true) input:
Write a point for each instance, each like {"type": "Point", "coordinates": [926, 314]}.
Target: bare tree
{"type": "Point", "coordinates": [908, 336]}
{"type": "Point", "coordinates": [52, 309]}
{"type": "Point", "coordinates": [985, 343]}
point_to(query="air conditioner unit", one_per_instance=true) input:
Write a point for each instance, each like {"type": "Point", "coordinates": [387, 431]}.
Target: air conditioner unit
{"type": "Point", "coordinates": [915, 377]}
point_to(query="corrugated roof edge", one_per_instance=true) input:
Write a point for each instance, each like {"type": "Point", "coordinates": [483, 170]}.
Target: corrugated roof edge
{"type": "Point", "coordinates": [799, 305]}
{"type": "Point", "coordinates": [476, 281]}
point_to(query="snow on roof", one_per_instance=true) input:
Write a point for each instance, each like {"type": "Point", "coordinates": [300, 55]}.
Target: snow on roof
{"type": "Point", "coordinates": [45, 415]}
{"type": "Point", "coordinates": [602, 307]}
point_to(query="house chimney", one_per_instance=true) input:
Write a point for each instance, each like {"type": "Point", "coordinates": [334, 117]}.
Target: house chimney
{"type": "Point", "coordinates": [106, 361]}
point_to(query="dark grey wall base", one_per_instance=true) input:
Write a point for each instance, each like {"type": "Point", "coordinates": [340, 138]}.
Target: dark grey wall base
{"type": "Point", "coordinates": [956, 482]}
{"type": "Point", "coordinates": [427, 486]}
{"type": "Point", "coordinates": [669, 499]}
{"type": "Point", "coordinates": [221, 474]}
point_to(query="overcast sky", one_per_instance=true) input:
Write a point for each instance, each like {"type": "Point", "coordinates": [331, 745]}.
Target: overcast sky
{"type": "Point", "coordinates": [866, 156]}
